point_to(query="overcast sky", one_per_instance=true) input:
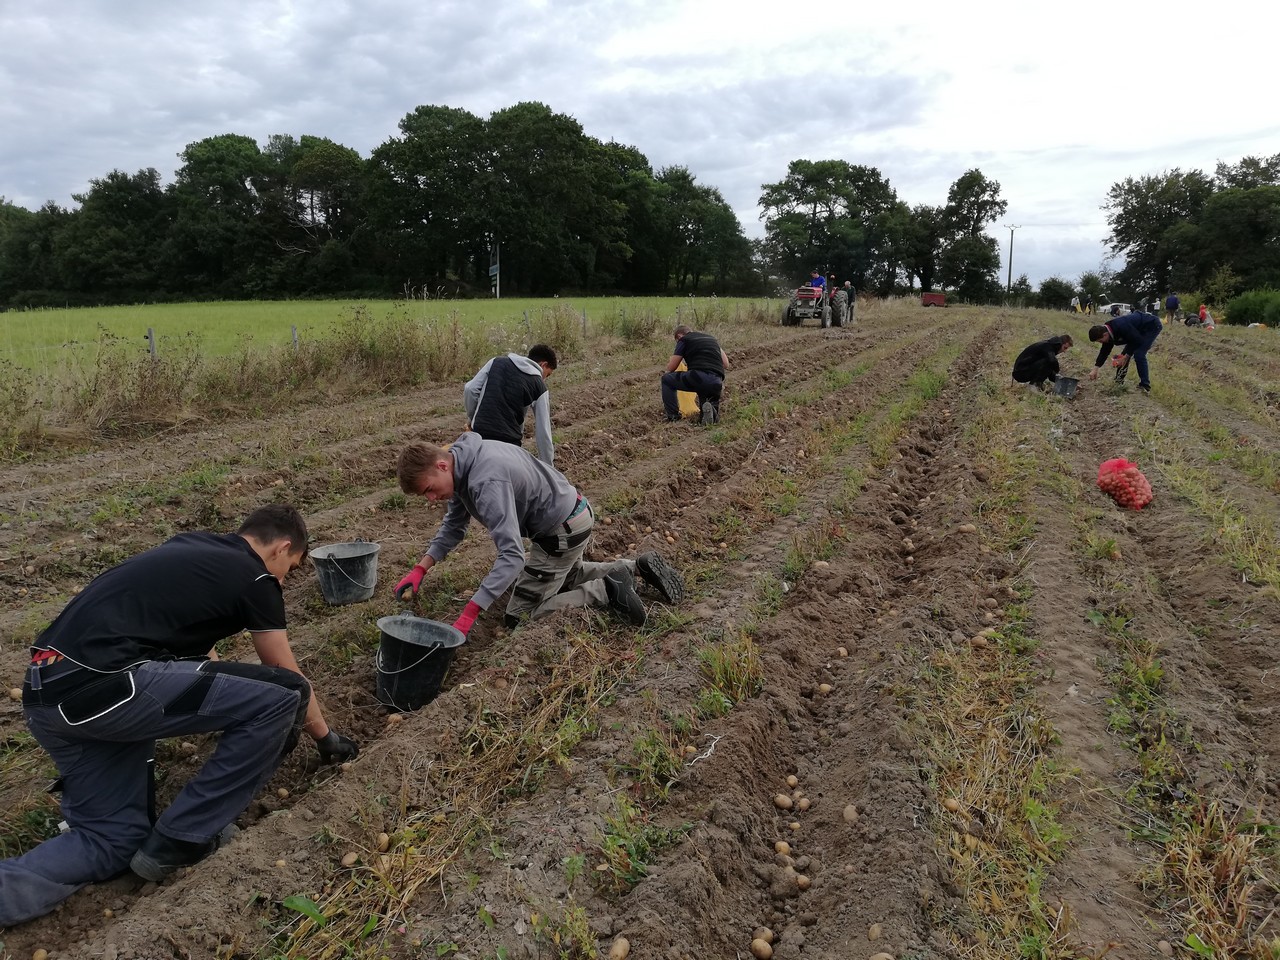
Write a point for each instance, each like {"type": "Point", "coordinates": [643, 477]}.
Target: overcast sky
{"type": "Point", "coordinates": [1056, 101]}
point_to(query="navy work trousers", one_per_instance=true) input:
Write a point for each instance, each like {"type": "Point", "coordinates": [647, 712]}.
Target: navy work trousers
{"type": "Point", "coordinates": [103, 763]}
{"type": "Point", "coordinates": [706, 385]}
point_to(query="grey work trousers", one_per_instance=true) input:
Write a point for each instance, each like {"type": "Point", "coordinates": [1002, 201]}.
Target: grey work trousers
{"type": "Point", "coordinates": [555, 577]}
{"type": "Point", "coordinates": [106, 785]}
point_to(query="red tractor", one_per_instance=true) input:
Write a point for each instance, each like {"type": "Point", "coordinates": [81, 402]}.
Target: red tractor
{"type": "Point", "coordinates": [816, 303]}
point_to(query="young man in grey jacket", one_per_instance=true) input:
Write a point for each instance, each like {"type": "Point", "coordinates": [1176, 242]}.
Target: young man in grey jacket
{"type": "Point", "coordinates": [498, 398]}
{"type": "Point", "coordinates": [514, 496]}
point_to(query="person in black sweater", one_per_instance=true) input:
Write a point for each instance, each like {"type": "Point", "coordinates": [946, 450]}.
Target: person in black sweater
{"type": "Point", "coordinates": [1039, 362]}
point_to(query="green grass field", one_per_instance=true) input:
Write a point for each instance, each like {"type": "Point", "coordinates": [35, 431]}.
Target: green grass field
{"type": "Point", "coordinates": [46, 341]}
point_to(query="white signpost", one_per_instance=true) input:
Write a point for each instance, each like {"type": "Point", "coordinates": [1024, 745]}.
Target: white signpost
{"type": "Point", "coordinates": [495, 278]}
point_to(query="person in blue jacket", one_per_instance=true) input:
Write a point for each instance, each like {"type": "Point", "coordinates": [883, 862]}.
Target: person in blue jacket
{"type": "Point", "coordinates": [1135, 332]}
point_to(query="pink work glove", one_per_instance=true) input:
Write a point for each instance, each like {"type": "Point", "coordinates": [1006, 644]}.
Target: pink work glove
{"type": "Point", "coordinates": [469, 614]}
{"type": "Point", "coordinates": [412, 582]}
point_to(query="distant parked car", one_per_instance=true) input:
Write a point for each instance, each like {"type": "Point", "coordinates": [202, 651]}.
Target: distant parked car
{"type": "Point", "coordinates": [1106, 308]}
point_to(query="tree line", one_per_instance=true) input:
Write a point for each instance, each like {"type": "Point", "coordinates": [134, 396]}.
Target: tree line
{"type": "Point", "coordinates": [305, 216]}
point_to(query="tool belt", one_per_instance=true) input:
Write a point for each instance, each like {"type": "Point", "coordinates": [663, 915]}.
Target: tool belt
{"type": "Point", "coordinates": [80, 694]}
{"type": "Point", "coordinates": [570, 534]}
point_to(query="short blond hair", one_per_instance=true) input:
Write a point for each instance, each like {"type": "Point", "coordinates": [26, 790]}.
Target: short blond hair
{"type": "Point", "coordinates": [414, 462]}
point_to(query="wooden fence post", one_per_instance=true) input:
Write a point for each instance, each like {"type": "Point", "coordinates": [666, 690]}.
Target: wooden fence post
{"type": "Point", "coordinates": [151, 341]}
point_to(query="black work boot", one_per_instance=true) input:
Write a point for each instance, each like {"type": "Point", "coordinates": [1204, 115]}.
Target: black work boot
{"type": "Point", "coordinates": [160, 856]}
{"type": "Point", "coordinates": [660, 575]}
{"type": "Point", "coordinates": [623, 599]}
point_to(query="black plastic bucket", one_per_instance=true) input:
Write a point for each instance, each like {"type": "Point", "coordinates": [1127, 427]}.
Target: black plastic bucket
{"type": "Point", "coordinates": [413, 658]}
{"type": "Point", "coordinates": [348, 572]}
{"type": "Point", "coordinates": [1066, 387]}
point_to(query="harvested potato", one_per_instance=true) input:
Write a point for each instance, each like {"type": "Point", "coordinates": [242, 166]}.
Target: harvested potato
{"type": "Point", "coordinates": [41, 954]}
{"type": "Point", "coordinates": [793, 780]}
{"type": "Point", "coordinates": [802, 881]}
{"type": "Point", "coordinates": [802, 803]}
{"type": "Point", "coordinates": [108, 913]}
{"type": "Point", "coordinates": [763, 933]}
{"type": "Point", "coordinates": [280, 864]}
{"type": "Point", "coordinates": [851, 813]}
{"type": "Point", "coordinates": [782, 847]}
{"type": "Point", "coordinates": [782, 802]}
{"type": "Point", "coordinates": [761, 950]}
{"type": "Point", "coordinates": [394, 718]}
{"type": "Point", "coordinates": [282, 793]}
{"type": "Point", "coordinates": [874, 931]}
{"type": "Point", "coordinates": [966, 528]}
{"type": "Point", "coordinates": [384, 842]}
{"type": "Point", "coordinates": [15, 693]}
{"type": "Point", "coordinates": [825, 688]}
{"type": "Point", "coordinates": [620, 950]}
{"type": "Point", "coordinates": [841, 652]}
{"type": "Point", "coordinates": [952, 804]}
{"type": "Point", "coordinates": [350, 859]}
{"type": "Point", "coordinates": [794, 824]}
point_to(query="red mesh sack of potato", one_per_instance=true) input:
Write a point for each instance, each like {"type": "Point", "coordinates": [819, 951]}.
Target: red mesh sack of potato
{"type": "Point", "coordinates": [1124, 483]}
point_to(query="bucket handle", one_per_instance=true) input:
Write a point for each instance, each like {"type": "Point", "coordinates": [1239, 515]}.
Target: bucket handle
{"type": "Point", "coordinates": [338, 567]}
{"type": "Point", "coordinates": [417, 663]}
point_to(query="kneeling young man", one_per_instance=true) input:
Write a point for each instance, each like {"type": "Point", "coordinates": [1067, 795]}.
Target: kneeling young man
{"type": "Point", "coordinates": [131, 660]}
{"type": "Point", "coordinates": [513, 495]}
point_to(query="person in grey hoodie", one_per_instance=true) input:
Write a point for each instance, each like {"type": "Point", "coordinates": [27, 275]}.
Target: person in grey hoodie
{"type": "Point", "coordinates": [514, 496]}
{"type": "Point", "coordinates": [498, 398]}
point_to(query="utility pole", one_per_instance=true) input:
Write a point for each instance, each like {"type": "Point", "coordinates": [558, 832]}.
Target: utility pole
{"type": "Point", "coordinates": [1008, 288]}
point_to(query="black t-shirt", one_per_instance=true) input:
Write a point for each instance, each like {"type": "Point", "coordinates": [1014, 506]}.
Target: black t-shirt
{"type": "Point", "coordinates": [176, 600]}
{"type": "Point", "coordinates": [701, 351]}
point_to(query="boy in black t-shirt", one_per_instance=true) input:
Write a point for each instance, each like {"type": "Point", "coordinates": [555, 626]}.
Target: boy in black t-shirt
{"type": "Point", "coordinates": [131, 660]}
{"type": "Point", "coordinates": [707, 362]}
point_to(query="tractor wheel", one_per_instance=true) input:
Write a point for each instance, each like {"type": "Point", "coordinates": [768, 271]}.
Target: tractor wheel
{"type": "Point", "coordinates": [786, 316]}
{"type": "Point", "coordinates": [837, 319]}
{"type": "Point", "coordinates": [826, 317]}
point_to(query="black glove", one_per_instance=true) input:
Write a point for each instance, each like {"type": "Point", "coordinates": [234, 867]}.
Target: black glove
{"type": "Point", "coordinates": [335, 748]}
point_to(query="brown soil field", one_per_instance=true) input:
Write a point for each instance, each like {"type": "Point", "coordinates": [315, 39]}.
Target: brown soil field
{"type": "Point", "coordinates": [932, 694]}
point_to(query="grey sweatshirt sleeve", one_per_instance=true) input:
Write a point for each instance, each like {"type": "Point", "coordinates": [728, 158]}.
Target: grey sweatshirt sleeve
{"type": "Point", "coordinates": [495, 505]}
{"type": "Point", "coordinates": [452, 529]}
{"type": "Point", "coordinates": [474, 390]}
{"type": "Point", "coordinates": [542, 428]}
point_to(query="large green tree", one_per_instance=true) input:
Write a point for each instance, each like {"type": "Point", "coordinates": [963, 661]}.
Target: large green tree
{"type": "Point", "coordinates": [970, 260]}
{"type": "Point", "coordinates": [1141, 211]}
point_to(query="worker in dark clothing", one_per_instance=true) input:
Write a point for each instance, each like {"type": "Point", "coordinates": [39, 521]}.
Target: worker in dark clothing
{"type": "Point", "coordinates": [1039, 362]}
{"type": "Point", "coordinates": [514, 496]}
{"type": "Point", "coordinates": [706, 362]}
{"type": "Point", "coordinates": [131, 660]}
{"type": "Point", "coordinates": [498, 398]}
{"type": "Point", "coordinates": [1135, 332]}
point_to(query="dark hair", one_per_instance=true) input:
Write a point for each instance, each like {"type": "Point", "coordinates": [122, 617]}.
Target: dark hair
{"type": "Point", "coordinates": [276, 521]}
{"type": "Point", "coordinates": [541, 353]}
{"type": "Point", "coordinates": [1097, 332]}
{"type": "Point", "coordinates": [681, 330]}
{"type": "Point", "coordinates": [415, 460]}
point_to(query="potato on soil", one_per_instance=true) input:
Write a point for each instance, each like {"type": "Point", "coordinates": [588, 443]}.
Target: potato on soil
{"type": "Point", "coordinates": [825, 688]}
{"type": "Point", "coordinates": [841, 652]}
{"type": "Point", "coordinates": [802, 881]}
{"type": "Point", "coordinates": [874, 931]}
{"type": "Point", "coordinates": [851, 813]}
{"type": "Point", "coordinates": [952, 804]}
{"type": "Point", "coordinates": [282, 793]}
{"type": "Point", "coordinates": [782, 847]}
{"type": "Point", "coordinates": [350, 859]}
{"type": "Point", "coordinates": [15, 693]}
{"type": "Point", "coordinates": [782, 802]}
{"type": "Point", "coordinates": [763, 933]}
{"type": "Point", "coordinates": [41, 954]}
{"type": "Point", "coordinates": [761, 950]}
{"type": "Point", "coordinates": [793, 781]}
{"type": "Point", "coordinates": [882, 956]}
{"type": "Point", "coordinates": [384, 842]}
{"type": "Point", "coordinates": [620, 950]}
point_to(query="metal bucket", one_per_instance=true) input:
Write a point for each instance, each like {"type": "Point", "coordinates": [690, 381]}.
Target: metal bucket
{"type": "Point", "coordinates": [413, 658]}
{"type": "Point", "coordinates": [348, 572]}
{"type": "Point", "coordinates": [1066, 387]}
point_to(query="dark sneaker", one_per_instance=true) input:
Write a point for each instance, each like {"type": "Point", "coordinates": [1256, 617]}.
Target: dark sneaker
{"type": "Point", "coordinates": [660, 575]}
{"type": "Point", "coordinates": [160, 856]}
{"type": "Point", "coordinates": [1144, 387]}
{"type": "Point", "coordinates": [623, 599]}
{"type": "Point", "coordinates": [709, 416]}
